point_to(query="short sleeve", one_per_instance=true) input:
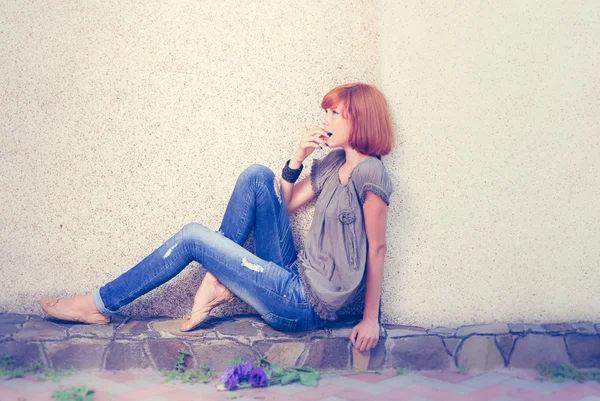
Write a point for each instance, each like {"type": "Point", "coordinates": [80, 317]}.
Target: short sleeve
{"type": "Point", "coordinates": [372, 176]}
{"type": "Point", "coordinates": [323, 168]}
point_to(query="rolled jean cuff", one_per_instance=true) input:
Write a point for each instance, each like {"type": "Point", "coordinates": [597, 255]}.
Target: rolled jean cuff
{"type": "Point", "coordinates": [100, 304]}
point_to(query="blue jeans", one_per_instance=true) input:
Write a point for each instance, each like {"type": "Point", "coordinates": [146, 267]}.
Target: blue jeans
{"type": "Point", "coordinates": [268, 280]}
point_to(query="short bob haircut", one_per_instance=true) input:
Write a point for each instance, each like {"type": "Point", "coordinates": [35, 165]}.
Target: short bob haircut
{"type": "Point", "coordinates": [372, 133]}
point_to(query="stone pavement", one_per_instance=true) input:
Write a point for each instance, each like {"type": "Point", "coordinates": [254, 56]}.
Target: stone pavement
{"type": "Point", "coordinates": [506, 384]}
{"type": "Point", "coordinates": [128, 343]}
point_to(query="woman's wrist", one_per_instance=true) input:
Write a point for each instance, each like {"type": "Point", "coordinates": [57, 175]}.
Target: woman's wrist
{"type": "Point", "coordinates": [295, 162]}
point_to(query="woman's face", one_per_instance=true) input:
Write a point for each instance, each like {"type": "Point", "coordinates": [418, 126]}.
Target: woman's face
{"type": "Point", "coordinates": [339, 127]}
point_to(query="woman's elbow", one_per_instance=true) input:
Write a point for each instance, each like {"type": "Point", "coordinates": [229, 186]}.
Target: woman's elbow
{"type": "Point", "coordinates": [378, 249]}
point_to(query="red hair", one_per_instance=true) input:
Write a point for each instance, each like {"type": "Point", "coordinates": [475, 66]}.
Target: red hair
{"type": "Point", "coordinates": [372, 133]}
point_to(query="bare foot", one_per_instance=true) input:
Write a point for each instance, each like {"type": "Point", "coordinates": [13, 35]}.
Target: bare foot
{"type": "Point", "coordinates": [210, 295]}
{"type": "Point", "coordinates": [79, 308]}
{"type": "Point", "coordinates": [210, 289]}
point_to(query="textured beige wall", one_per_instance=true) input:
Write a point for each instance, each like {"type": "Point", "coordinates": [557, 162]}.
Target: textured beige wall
{"type": "Point", "coordinates": [121, 122]}
{"type": "Point", "coordinates": [498, 108]}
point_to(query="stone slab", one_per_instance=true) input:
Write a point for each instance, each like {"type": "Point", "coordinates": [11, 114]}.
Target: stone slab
{"type": "Point", "coordinates": [505, 345]}
{"type": "Point", "coordinates": [496, 328]}
{"type": "Point", "coordinates": [559, 328]}
{"type": "Point", "coordinates": [538, 349]}
{"type": "Point", "coordinates": [443, 331]}
{"type": "Point", "coordinates": [34, 330]}
{"type": "Point", "coordinates": [78, 353]}
{"type": "Point", "coordinates": [451, 344]}
{"type": "Point", "coordinates": [92, 330]}
{"type": "Point", "coordinates": [164, 353]}
{"type": "Point", "coordinates": [24, 353]}
{"type": "Point", "coordinates": [122, 355]}
{"type": "Point", "coordinates": [327, 354]}
{"type": "Point", "coordinates": [218, 354]}
{"type": "Point", "coordinates": [170, 329]}
{"type": "Point", "coordinates": [235, 328]}
{"type": "Point", "coordinates": [282, 353]}
{"type": "Point", "coordinates": [395, 331]}
{"type": "Point", "coordinates": [585, 327]}
{"type": "Point", "coordinates": [7, 329]}
{"type": "Point", "coordinates": [378, 356]}
{"type": "Point", "coordinates": [518, 328]}
{"type": "Point", "coordinates": [12, 318]}
{"type": "Point", "coordinates": [420, 353]}
{"type": "Point", "coordinates": [136, 329]}
{"type": "Point", "coordinates": [584, 350]}
{"type": "Point", "coordinates": [480, 353]}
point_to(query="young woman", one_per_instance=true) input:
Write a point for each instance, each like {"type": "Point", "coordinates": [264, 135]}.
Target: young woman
{"type": "Point", "coordinates": [345, 248]}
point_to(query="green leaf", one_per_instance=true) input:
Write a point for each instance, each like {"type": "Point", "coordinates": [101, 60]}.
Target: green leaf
{"type": "Point", "coordinates": [289, 378]}
{"type": "Point", "coordinates": [277, 370]}
{"type": "Point", "coordinates": [309, 379]}
{"type": "Point", "coordinates": [232, 395]}
{"type": "Point", "coordinates": [236, 361]}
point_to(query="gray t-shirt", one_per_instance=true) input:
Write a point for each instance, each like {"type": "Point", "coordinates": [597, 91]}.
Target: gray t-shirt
{"type": "Point", "coordinates": [333, 262]}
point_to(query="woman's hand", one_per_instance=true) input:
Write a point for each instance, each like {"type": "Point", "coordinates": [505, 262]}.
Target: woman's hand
{"type": "Point", "coordinates": [365, 335]}
{"type": "Point", "coordinates": [313, 139]}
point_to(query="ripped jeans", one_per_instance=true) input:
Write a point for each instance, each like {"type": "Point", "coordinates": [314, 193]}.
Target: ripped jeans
{"type": "Point", "coordinates": [268, 280]}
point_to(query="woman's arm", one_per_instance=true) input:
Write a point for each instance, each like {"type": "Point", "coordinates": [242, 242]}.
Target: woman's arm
{"type": "Point", "coordinates": [365, 335]}
{"type": "Point", "coordinates": [296, 195]}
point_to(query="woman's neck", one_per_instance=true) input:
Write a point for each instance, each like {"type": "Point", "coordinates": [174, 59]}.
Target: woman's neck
{"type": "Point", "coordinates": [353, 157]}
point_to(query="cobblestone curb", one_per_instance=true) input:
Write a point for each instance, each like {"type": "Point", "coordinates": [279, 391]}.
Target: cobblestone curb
{"type": "Point", "coordinates": [154, 343]}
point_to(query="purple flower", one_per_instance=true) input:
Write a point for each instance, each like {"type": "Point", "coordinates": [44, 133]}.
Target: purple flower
{"type": "Point", "coordinates": [244, 369]}
{"type": "Point", "coordinates": [230, 378]}
{"type": "Point", "coordinates": [257, 378]}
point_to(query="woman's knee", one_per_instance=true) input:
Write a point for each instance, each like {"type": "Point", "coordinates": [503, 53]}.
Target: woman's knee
{"type": "Point", "coordinates": [193, 231]}
{"type": "Point", "coordinates": [259, 173]}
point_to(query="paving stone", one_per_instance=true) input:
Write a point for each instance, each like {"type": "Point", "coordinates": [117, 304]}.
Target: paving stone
{"type": "Point", "coordinates": [270, 332]}
{"type": "Point", "coordinates": [218, 354]}
{"type": "Point", "coordinates": [559, 328]}
{"type": "Point", "coordinates": [396, 331]}
{"type": "Point", "coordinates": [420, 353]}
{"type": "Point", "coordinates": [170, 329]}
{"type": "Point", "coordinates": [538, 349]}
{"type": "Point", "coordinates": [164, 353]}
{"type": "Point", "coordinates": [443, 331]}
{"type": "Point", "coordinates": [326, 354]}
{"type": "Point", "coordinates": [237, 328]}
{"type": "Point", "coordinates": [123, 355]}
{"type": "Point", "coordinates": [451, 344]}
{"type": "Point", "coordinates": [525, 328]}
{"type": "Point", "coordinates": [92, 330]}
{"type": "Point", "coordinates": [480, 353]}
{"type": "Point", "coordinates": [378, 355]}
{"type": "Point", "coordinates": [24, 353]}
{"type": "Point", "coordinates": [584, 351]}
{"type": "Point", "coordinates": [136, 328]}
{"type": "Point", "coordinates": [12, 318]}
{"type": "Point", "coordinates": [496, 328]}
{"type": "Point", "coordinates": [78, 353]}
{"type": "Point", "coordinates": [286, 353]}
{"type": "Point", "coordinates": [585, 327]}
{"type": "Point", "coordinates": [7, 329]}
{"type": "Point", "coordinates": [505, 344]}
{"type": "Point", "coordinates": [41, 330]}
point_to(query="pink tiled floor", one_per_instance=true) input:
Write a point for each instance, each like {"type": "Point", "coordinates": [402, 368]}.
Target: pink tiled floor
{"type": "Point", "coordinates": [509, 384]}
